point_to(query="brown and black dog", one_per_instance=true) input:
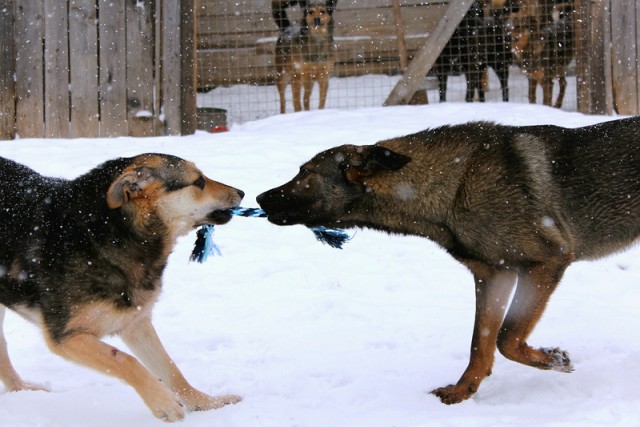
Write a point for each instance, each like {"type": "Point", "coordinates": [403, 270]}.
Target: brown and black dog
{"type": "Point", "coordinates": [304, 55]}
{"type": "Point", "coordinates": [543, 45]}
{"type": "Point", "coordinates": [512, 204]}
{"type": "Point", "coordinates": [83, 259]}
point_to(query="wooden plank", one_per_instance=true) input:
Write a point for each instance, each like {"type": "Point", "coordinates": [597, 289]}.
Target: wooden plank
{"type": "Point", "coordinates": [427, 55]}
{"type": "Point", "coordinates": [7, 71]}
{"type": "Point", "coordinates": [624, 56]}
{"type": "Point", "coordinates": [83, 54]}
{"type": "Point", "coordinates": [140, 71]}
{"type": "Point", "coordinates": [29, 32]}
{"type": "Point", "coordinates": [360, 56]}
{"type": "Point", "coordinates": [245, 30]}
{"type": "Point", "coordinates": [235, 7]}
{"type": "Point", "coordinates": [171, 66]}
{"type": "Point", "coordinates": [113, 69]}
{"type": "Point", "coordinates": [56, 71]}
{"type": "Point", "coordinates": [187, 67]}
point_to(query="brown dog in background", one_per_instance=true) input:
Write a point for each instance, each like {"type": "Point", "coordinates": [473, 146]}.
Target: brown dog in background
{"type": "Point", "coordinates": [510, 203]}
{"type": "Point", "coordinates": [304, 55]}
{"type": "Point", "coordinates": [83, 259]}
{"type": "Point", "coordinates": [543, 45]}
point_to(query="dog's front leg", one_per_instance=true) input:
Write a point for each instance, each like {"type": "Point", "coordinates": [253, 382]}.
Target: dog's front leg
{"type": "Point", "coordinates": [144, 342]}
{"type": "Point", "coordinates": [323, 86]}
{"type": "Point", "coordinates": [493, 288]}
{"type": "Point", "coordinates": [307, 84]}
{"type": "Point", "coordinates": [296, 90]}
{"type": "Point", "coordinates": [86, 349]}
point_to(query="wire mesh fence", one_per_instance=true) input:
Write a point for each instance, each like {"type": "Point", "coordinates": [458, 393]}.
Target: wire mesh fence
{"type": "Point", "coordinates": [502, 51]}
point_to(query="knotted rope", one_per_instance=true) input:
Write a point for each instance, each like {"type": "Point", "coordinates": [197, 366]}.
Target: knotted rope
{"type": "Point", "coordinates": [205, 246]}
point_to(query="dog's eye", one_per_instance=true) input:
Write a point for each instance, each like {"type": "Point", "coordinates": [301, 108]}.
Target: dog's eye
{"type": "Point", "coordinates": [199, 182]}
{"type": "Point", "coordinates": [173, 185]}
{"type": "Point", "coordinates": [304, 172]}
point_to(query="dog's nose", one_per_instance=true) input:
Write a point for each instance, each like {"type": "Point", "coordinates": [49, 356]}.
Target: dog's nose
{"type": "Point", "coordinates": [317, 22]}
{"type": "Point", "coordinates": [240, 193]}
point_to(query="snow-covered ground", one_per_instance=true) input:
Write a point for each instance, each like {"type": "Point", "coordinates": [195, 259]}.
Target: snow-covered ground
{"type": "Point", "coordinates": [312, 336]}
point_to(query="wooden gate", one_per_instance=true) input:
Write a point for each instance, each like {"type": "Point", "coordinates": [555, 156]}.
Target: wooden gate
{"type": "Point", "coordinates": [96, 68]}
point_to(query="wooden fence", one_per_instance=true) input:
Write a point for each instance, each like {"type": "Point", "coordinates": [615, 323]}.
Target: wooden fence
{"type": "Point", "coordinates": [89, 68]}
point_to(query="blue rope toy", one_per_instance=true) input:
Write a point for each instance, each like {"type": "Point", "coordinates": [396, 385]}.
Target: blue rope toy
{"type": "Point", "coordinates": [205, 246]}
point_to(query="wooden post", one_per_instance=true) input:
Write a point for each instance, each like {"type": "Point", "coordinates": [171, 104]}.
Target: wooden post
{"type": "Point", "coordinates": [139, 17]}
{"type": "Point", "coordinates": [624, 60]}
{"type": "Point", "coordinates": [113, 69]}
{"type": "Point", "coordinates": [593, 59]}
{"type": "Point", "coordinates": [402, 47]}
{"type": "Point", "coordinates": [426, 56]}
{"type": "Point", "coordinates": [7, 71]}
{"type": "Point", "coordinates": [188, 66]}
{"type": "Point", "coordinates": [29, 33]}
{"type": "Point", "coordinates": [420, 96]}
{"type": "Point", "coordinates": [83, 61]}
{"type": "Point", "coordinates": [56, 69]}
{"type": "Point", "coordinates": [171, 67]}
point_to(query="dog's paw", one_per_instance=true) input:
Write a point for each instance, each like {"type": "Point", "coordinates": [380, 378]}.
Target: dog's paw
{"type": "Point", "coordinates": [198, 401]}
{"type": "Point", "coordinates": [452, 394]}
{"type": "Point", "coordinates": [22, 385]}
{"type": "Point", "coordinates": [560, 360]}
{"type": "Point", "coordinates": [165, 405]}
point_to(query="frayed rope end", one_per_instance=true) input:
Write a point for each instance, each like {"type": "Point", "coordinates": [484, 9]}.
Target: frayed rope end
{"type": "Point", "coordinates": [204, 245]}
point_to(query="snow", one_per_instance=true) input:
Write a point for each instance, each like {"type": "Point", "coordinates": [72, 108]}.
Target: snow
{"type": "Point", "coordinates": [312, 336]}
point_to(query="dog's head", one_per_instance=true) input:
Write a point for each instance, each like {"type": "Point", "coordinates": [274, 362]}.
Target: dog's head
{"type": "Point", "coordinates": [328, 185]}
{"type": "Point", "coordinates": [172, 190]}
{"type": "Point", "coordinates": [318, 18]}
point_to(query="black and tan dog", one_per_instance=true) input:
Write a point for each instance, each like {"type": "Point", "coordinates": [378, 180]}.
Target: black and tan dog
{"type": "Point", "coordinates": [305, 55]}
{"type": "Point", "coordinates": [543, 47]}
{"type": "Point", "coordinates": [84, 258]}
{"type": "Point", "coordinates": [510, 203]}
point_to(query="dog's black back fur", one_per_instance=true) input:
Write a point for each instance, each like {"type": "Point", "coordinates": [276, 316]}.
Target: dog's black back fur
{"type": "Point", "coordinates": [51, 244]}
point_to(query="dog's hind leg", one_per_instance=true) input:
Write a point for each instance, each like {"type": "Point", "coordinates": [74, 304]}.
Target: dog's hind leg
{"type": "Point", "coordinates": [535, 286]}
{"type": "Point", "coordinates": [547, 90]}
{"type": "Point", "coordinates": [86, 349]}
{"type": "Point", "coordinates": [532, 90]}
{"type": "Point", "coordinates": [493, 288]}
{"type": "Point", "coordinates": [562, 81]}
{"type": "Point", "coordinates": [143, 341]}
{"type": "Point", "coordinates": [8, 374]}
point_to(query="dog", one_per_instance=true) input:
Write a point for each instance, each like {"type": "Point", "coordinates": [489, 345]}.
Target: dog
{"type": "Point", "coordinates": [498, 42]}
{"type": "Point", "coordinates": [83, 259]}
{"type": "Point", "coordinates": [465, 52]}
{"type": "Point", "coordinates": [543, 48]}
{"type": "Point", "coordinates": [512, 204]}
{"type": "Point", "coordinates": [479, 42]}
{"type": "Point", "coordinates": [305, 55]}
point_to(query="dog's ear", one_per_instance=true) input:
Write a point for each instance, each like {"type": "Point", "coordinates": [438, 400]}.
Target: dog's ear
{"type": "Point", "coordinates": [372, 159]}
{"type": "Point", "coordinates": [331, 6]}
{"type": "Point", "coordinates": [128, 186]}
